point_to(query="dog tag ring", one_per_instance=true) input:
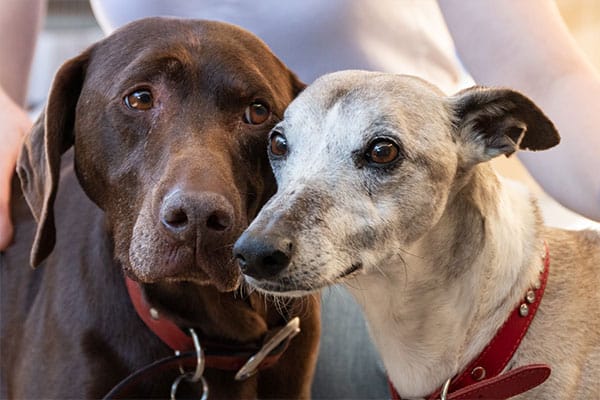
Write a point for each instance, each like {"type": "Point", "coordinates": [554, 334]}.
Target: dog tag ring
{"type": "Point", "coordinates": [196, 376]}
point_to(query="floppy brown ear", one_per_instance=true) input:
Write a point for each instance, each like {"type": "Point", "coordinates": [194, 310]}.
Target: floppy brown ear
{"type": "Point", "coordinates": [297, 85]}
{"type": "Point", "coordinates": [38, 166]}
{"type": "Point", "coordinates": [494, 121]}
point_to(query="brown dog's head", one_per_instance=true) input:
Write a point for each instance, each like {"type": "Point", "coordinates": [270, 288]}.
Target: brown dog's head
{"type": "Point", "coordinates": [168, 119]}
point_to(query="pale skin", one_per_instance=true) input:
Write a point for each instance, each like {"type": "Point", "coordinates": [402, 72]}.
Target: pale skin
{"type": "Point", "coordinates": [20, 22]}
{"type": "Point", "coordinates": [524, 45]}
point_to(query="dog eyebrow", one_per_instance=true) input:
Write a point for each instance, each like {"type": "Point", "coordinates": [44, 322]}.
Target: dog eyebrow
{"type": "Point", "coordinates": [234, 86]}
{"type": "Point", "coordinates": [380, 124]}
{"type": "Point", "coordinates": [383, 126]}
{"type": "Point", "coordinates": [148, 68]}
{"type": "Point", "coordinates": [233, 90]}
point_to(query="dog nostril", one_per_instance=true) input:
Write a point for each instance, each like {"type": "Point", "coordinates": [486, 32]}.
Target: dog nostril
{"type": "Point", "coordinates": [218, 221]}
{"type": "Point", "coordinates": [242, 262]}
{"type": "Point", "coordinates": [262, 257]}
{"type": "Point", "coordinates": [275, 262]}
{"type": "Point", "coordinates": [176, 218]}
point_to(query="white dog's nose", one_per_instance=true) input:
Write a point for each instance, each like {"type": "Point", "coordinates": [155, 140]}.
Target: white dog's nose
{"type": "Point", "coordinates": [262, 256]}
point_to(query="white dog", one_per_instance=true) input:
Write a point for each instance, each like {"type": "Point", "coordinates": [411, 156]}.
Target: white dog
{"type": "Point", "coordinates": [383, 184]}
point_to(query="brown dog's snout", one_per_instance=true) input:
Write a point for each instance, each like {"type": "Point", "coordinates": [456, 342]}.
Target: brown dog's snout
{"type": "Point", "coordinates": [187, 215]}
{"type": "Point", "coordinates": [263, 256]}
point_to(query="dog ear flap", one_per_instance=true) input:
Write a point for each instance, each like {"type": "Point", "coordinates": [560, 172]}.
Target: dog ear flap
{"type": "Point", "coordinates": [297, 85]}
{"type": "Point", "coordinates": [52, 135]}
{"type": "Point", "coordinates": [500, 121]}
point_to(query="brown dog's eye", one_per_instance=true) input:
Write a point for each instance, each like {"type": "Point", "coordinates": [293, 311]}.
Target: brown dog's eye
{"type": "Point", "coordinates": [256, 113]}
{"type": "Point", "coordinates": [382, 151]}
{"type": "Point", "coordinates": [140, 100]}
{"type": "Point", "coordinates": [278, 145]}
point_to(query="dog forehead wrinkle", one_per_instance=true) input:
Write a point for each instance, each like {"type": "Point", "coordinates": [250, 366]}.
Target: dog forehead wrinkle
{"type": "Point", "coordinates": [195, 44]}
{"type": "Point", "coordinates": [148, 65]}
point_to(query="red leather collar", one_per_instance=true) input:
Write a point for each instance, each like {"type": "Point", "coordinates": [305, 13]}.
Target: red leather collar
{"type": "Point", "coordinates": [481, 378]}
{"type": "Point", "coordinates": [219, 356]}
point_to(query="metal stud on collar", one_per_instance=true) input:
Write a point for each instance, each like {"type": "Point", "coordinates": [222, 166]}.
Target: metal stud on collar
{"type": "Point", "coordinates": [530, 297]}
{"type": "Point", "coordinates": [523, 310]}
{"type": "Point", "coordinates": [196, 375]}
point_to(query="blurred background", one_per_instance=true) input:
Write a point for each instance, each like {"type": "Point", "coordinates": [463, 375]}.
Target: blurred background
{"type": "Point", "coordinates": [70, 27]}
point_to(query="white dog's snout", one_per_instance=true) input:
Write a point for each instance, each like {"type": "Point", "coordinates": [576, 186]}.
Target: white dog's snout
{"type": "Point", "coordinates": [263, 256]}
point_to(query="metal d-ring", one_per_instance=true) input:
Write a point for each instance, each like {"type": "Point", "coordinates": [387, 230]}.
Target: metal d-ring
{"type": "Point", "coordinates": [197, 375]}
{"type": "Point", "coordinates": [199, 358]}
{"type": "Point", "coordinates": [187, 377]}
{"type": "Point", "coordinates": [444, 394]}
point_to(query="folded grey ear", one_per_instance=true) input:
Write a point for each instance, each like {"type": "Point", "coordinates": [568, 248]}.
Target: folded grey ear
{"type": "Point", "coordinates": [38, 166]}
{"type": "Point", "coordinates": [494, 121]}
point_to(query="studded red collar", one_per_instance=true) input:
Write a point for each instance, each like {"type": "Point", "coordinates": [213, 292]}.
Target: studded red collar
{"type": "Point", "coordinates": [482, 378]}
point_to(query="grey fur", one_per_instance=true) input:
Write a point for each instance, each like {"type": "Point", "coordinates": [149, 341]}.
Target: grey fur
{"type": "Point", "coordinates": [435, 247]}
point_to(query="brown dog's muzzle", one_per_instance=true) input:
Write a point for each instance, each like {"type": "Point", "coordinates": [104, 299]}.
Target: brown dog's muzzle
{"type": "Point", "coordinates": [187, 224]}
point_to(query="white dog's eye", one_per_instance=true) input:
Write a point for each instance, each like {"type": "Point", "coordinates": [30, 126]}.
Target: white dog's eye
{"type": "Point", "coordinates": [382, 151]}
{"type": "Point", "coordinates": [278, 144]}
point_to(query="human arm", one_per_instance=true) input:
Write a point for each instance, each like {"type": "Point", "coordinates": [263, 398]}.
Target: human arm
{"type": "Point", "coordinates": [526, 45]}
{"type": "Point", "coordinates": [20, 22]}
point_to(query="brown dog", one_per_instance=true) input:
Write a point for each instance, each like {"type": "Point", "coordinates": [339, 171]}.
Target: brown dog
{"type": "Point", "coordinates": [168, 119]}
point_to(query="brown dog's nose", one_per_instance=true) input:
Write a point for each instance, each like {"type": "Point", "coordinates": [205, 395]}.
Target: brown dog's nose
{"type": "Point", "coordinates": [184, 215]}
{"type": "Point", "coordinates": [262, 257]}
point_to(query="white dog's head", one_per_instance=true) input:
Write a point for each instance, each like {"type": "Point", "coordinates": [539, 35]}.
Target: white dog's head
{"type": "Point", "coordinates": [367, 163]}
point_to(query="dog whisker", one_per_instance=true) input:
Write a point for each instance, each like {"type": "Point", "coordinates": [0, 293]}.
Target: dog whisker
{"type": "Point", "coordinates": [382, 272]}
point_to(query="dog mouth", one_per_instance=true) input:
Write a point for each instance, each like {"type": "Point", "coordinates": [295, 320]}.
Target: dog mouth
{"type": "Point", "coordinates": [285, 286]}
{"type": "Point", "coordinates": [353, 269]}
{"type": "Point", "coordinates": [294, 287]}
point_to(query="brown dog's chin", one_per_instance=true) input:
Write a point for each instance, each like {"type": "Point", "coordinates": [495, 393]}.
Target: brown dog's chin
{"type": "Point", "coordinates": [226, 285]}
{"type": "Point", "coordinates": [200, 279]}
{"type": "Point", "coordinates": [182, 266]}
{"type": "Point", "coordinates": [229, 286]}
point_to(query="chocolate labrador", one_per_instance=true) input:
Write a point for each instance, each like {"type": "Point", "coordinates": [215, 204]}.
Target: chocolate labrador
{"type": "Point", "coordinates": [168, 121]}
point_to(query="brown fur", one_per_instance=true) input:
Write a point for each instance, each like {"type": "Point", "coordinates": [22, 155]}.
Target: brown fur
{"type": "Point", "coordinates": [68, 327]}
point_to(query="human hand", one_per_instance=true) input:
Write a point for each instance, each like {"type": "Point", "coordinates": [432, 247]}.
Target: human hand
{"type": "Point", "coordinates": [14, 124]}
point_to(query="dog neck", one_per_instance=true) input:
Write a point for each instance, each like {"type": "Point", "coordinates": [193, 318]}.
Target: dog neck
{"type": "Point", "coordinates": [434, 310]}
